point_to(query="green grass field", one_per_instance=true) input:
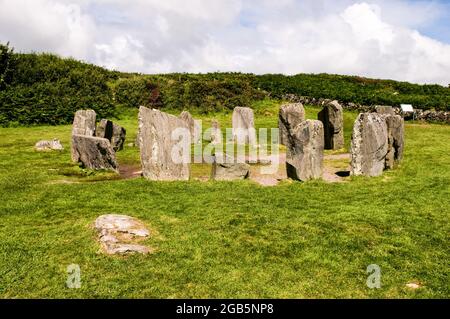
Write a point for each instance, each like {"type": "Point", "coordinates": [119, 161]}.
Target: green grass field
{"type": "Point", "coordinates": [225, 239]}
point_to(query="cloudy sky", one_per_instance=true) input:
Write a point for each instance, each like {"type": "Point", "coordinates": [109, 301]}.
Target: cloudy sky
{"type": "Point", "coordinates": [398, 39]}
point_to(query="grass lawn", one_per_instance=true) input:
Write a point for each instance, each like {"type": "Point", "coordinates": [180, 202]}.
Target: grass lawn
{"type": "Point", "coordinates": [225, 239]}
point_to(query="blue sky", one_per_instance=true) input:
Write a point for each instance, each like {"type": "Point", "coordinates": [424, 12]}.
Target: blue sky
{"type": "Point", "coordinates": [399, 39]}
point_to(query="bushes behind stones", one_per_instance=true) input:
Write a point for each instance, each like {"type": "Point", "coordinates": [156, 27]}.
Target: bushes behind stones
{"type": "Point", "coordinates": [45, 89]}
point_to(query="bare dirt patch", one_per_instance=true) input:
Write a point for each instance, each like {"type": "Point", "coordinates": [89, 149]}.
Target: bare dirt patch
{"type": "Point", "coordinates": [130, 171]}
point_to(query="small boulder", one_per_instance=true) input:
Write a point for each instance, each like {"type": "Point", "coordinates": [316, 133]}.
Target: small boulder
{"type": "Point", "coordinates": [93, 152]}
{"type": "Point", "coordinates": [229, 170]}
{"type": "Point", "coordinates": [53, 145]}
{"type": "Point", "coordinates": [304, 156]}
{"type": "Point", "coordinates": [289, 117]}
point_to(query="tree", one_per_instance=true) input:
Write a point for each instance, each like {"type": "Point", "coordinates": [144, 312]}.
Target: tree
{"type": "Point", "coordinates": [7, 65]}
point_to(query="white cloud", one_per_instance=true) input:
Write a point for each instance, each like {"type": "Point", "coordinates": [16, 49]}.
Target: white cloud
{"type": "Point", "coordinates": [375, 38]}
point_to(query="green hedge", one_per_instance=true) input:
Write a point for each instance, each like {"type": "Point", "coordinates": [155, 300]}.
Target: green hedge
{"type": "Point", "coordinates": [357, 90]}
{"type": "Point", "coordinates": [204, 93]}
{"type": "Point", "coordinates": [46, 89]}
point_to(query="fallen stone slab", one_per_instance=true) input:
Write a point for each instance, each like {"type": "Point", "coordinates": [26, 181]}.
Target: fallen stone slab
{"type": "Point", "coordinates": [369, 145]}
{"type": "Point", "coordinates": [304, 156]}
{"type": "Point", "coordinates": [159, 158]}
{"type": "Point", "coordinates": [93, 152]}
{"type": "Point", "coordinates": [289, 117]}
{"type": "Point", "coordinates": [119, 234]}
{"type": "Point", "coordinates": [332, 117]}
{"type": "Point", "coordinates": [52, 145]}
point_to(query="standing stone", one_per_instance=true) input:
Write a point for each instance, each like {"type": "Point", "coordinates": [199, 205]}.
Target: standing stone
{"type": "Point", "coordinates": [244, 125]}
{"type": "Point", "coordinates": [229, 170]}
{"type": "Point", "coordinates": [118, 137]}
{"type": "Point", "coordinates": [105, 129]}
{"type": "Point", "coordinates": [113, 132]}
{"type": "Point", "coordinates": [84, 123]}
{"type": "Point", "coordinates": [384, 109]}
{"type": "Point", "coordinates": [332, 117]}
{"type": "Point", "coordinates": [193, 126]}
{"type": "Point", "coordinates": [369, 145]}
{"type": "Point", "coordinates": [304, 156]}
{"type": "Point", "coordinates": [289, 117]}
{"type": "Point", "coordinates": [157, 146]}
{"type": "Point", "coordinates": [396, 136]}
{"type": "Point", "coordinates": [216, 134]}
{"type": "Point", "coordinates": [93, 152]}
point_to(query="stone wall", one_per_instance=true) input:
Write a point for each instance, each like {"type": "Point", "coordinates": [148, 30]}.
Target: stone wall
{"type": "Point", "coordinates": [420, 115]}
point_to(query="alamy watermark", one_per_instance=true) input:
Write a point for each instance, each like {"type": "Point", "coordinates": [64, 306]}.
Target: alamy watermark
{"type": "Point", "coordinates": [73, 276]}
{"type": "Point", "coordinates": [232, 145]}
{"type": "Point", "coordinates": [374, 279]}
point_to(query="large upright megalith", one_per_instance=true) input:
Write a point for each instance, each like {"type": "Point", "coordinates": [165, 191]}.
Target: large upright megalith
{"type": "Point", "coordinates": [244, 125]}
{"type": "Point", "coordinates": [193, 126]}
{"type": "Point", "coordinates": [93, 152]}
{"type": "Point", "coordinates": [369, 145]}
{"type": "Point", "coordinates": [289, 117]}
{"type": "Point", "coordinates": [396, 137]}
{"type": "Point", "coordinates": [304, 157]}
{"type": "Point", "coordinates": [113, 132]}
{"type": "Point", "coordinates": [161, 138]}
{"type": "Point", "coordinates": [332, 117]}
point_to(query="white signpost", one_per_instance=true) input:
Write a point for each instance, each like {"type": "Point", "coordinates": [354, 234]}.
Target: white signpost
{"type": "Point", "coordinates": [407, 108]}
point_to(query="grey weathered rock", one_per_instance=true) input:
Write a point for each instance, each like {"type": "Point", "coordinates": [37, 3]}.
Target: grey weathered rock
{"type": "Point", "coordinates": [384, 109]}
{"type": "Point", "coordinates": [53, 145]}
{"type": "Point", "coordinates": [193, 126]}
{"type": "Point", "coordinates": [369, 145]}
{"type": "Point", "coordinates": [229, 170]}
{"type": "Point", "coordinates": [104, 129]}
{"type": "Point", "coordinates": [304, 156]}
{"type": "Point", "coordinates": [396, 137]}
{"type": "Point", "coordinates": [244, 125]}
{"type": "Point", "coordinates": [289, 117]}
{"type": "Point", "coordinates": [216, 133]}
{"type": "Point", "coordinates": [113, 132]}
{"type": "Point", "coordinates": [93, 152]}
{"type": "Point", "coordinates": [118, 138]}
{"type": "Point", "coordinates": [332, 117]}
{"type": "Point", "coordinates": [157, 147]}
{"type": "Point", "coordinates": [118, 234]}
{"type": "Point", "coordinates": [84, 123]}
